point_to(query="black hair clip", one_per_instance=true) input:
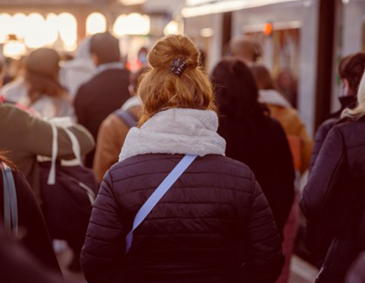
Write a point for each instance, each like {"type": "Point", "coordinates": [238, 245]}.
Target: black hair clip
{"type": "Point", "coordinates": [178, 67]}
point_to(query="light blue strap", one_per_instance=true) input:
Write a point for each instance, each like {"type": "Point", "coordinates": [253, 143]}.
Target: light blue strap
{"type": "Point", "coordinates": [10, 201]}
{"type": "Point", "coordinates": [158, 194]}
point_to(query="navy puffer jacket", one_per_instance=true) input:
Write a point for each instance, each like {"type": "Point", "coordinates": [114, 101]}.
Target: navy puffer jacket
{"type": "Point", "coordinates": [213, 225]}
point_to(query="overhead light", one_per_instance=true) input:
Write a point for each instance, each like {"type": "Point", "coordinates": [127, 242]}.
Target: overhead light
{"type": "Point", "coordinates": [198, 2]}
{"type": "Point", "coordinates": [345, 1]}
{"type": "Point", "coordinates": [227, 6]}
{"type": "Point", "coordinates": [132, 2]}
{"type": "Point", "coordinates": [171, 28]}
{"type": "Point", "coordinates": [95, 23]}
{"type": "Point", "coordinates": [14, 49]}
{"type": "Point", "coordinates": [132, 24]}
{"type": "Point", "coordinates": [207, 32]}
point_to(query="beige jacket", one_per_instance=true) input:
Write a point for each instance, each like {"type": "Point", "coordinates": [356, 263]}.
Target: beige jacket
{"type": "Point", "coordinates": [111, 136]}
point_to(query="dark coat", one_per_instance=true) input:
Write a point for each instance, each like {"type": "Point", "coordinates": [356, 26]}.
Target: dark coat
{"type": "Point", "coordinates": [320, 137]}
{"type": "Point", "coordinates": [266, 151]}
{"type": "Point", "coordinates": [334, 200]}
{"type": "Point", "coordinates": [18, 266]}
{"type": "Point", "coordinates": [99, 97]}
{"type": "Point", "coordinates": [327, 125]}
{"type": "Point", "coordinates": [213, 225]}
{"type": "Point", "coordinates": [357, 271]}
{"type": "Point", "coordinates": [31, 222]}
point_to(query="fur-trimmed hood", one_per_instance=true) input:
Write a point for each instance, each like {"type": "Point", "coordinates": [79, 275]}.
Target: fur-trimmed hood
{"type": "Point", "coordinates": [176, 131]}
{"type": "Point", "coordinates": [273, 97]}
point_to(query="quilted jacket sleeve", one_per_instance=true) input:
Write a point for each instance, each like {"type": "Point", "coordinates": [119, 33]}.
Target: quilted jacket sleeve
{"type": "Point", "coordinates": [321, 201]}
{"type": "Point", "coordinates": [104, 247]}
{"type": "Point", "coordinates": [320, 137]}
{"type": "Point", "coordinates": [266, 258]}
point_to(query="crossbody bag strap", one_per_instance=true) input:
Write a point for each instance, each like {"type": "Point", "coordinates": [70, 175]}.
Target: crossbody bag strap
{"type": "Point", "coordinates": [10, 201]}
{"type": "Point", "coordinates": [158, 194]}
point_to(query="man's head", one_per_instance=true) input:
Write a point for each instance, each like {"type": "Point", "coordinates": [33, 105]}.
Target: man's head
{"type": "Point", "coordinates": [104, 48]}
{"type": "Point", "coordinates": [245, 49]}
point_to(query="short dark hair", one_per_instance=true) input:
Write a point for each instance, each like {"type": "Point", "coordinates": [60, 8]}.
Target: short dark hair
{"type": "Point", "coordinates": [105, 47]}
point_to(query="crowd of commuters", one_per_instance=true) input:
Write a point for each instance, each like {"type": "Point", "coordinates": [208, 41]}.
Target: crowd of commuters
{"type": "Point", "coordinates": [229, 214]}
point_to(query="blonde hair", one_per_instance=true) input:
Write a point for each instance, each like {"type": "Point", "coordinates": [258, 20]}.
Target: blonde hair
{"type": "Point", "coordinates": [161, 90]}
{"type": "Point", "coordinates": [359, 111]}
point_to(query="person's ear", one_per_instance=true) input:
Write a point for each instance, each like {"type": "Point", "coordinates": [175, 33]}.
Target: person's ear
{"type": "Point", "coordinates": [346, 87]}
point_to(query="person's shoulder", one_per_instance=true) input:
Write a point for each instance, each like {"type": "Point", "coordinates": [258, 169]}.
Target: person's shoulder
{"type": "Point", "coordinates": [111, 122]}
{"type": "Point", "coordinates": [349, 127]}
{"type": "Point", "coordinates": [12, 112]}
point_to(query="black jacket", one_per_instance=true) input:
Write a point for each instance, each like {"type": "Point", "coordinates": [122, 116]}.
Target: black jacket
{"type": "Point", "coordinates": [327, 125]}
{"type": "Point", "coordinates": [334, 200]}
{"type": "Point", "coordinates": [99, 97]}
{"type": "Point", "coordinates": [213, 225]}
{"type": "Point", "coordinates": [266, 151]}
{"type": "Point", "coordinates": [32, 228]}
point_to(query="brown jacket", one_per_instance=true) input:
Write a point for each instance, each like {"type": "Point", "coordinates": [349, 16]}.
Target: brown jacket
{"type": "Point", "coordinates": [294, 126]}
{"type": "Point", "coordinates": [111, 136]}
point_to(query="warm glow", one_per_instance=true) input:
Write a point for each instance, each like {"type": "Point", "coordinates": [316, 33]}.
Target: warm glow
{"type": "Point", "coordinates": [207, 32]}
{"type": "Point", "coordinates": [14, 49]}
{"type": "Point", "coordinates": [171, 28]}
{"type": "Point", "coordinates": [133, 24]}
{"type": "Point", "coordinates": [5, 24]}
{"type": "Point", "coordinates": [67, 27]}
{"type": "Point", "coordinates": [19, 23]}
{"type": "Point", "coordinates": [132, 2]}
{"type": "Point", "coordinates": [51, 34]}
{"type": "Point", "coordinates": [95, 23]}
{"type": "Point", "coordinates": [35, 31]}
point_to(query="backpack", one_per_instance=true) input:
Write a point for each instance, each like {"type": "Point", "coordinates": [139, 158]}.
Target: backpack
{"type": "Point", "coordinates": [68, 193]}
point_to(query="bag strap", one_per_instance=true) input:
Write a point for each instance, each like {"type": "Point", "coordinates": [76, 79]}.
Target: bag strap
{"type": "Point", "coordinates": [127, 117]}
{"type": "Point", "coordinates": [10, 201]}
{"type": "Point", "coordinates": [75, 145]}
{"type": "Point", "coordinates": [158, 194]}
{"type": "Point", "coordinates": [52, 172]}
{"type": "Point", "coordinates": [75, 148]}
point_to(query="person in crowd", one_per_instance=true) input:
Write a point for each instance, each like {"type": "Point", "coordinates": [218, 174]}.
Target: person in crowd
{"type": "Point", "coordinates": [288, 86]}
{"type": "Point", "coordinates": [245, 49]}
{"type": "Point", "coordinates": [19, 266]}
{"type": "Point", "coordinates": [39, 88]}
{"type": "Point", "coordinates": [106, 91]}
{"type": "Point", "coordinates": [115, 128]}
{"type": "Point", "coordinates": [333, 201]}
{"type": "Point", "coordinates": [14, 68]}
{"type": "Point", "coordinates": [350, 69]}
{"type": "Point", "coordinates": [253, 137]}
{"type": "Point", "coordinates": [214, 224]}
{"type": "Point", "coordinates": [33, 231]}
{"type": "Point", "coordinates": [25, 136]}
{"type": "Point", "coordinates": [78, 71]}
{"type": "Point", "coordinates": [287, 116]}
{"type": "Point", "coordinates": [357, 271]}
{"type": "Point", "coordinates": [300, 144]}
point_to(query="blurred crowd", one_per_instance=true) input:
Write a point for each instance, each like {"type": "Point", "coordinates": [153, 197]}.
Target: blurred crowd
{"type": "Point", "coordinates": [85, 141]}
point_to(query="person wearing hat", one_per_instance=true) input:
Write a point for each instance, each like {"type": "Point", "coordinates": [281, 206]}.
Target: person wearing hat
{"type": "Point", "coordinates": [39, 88]}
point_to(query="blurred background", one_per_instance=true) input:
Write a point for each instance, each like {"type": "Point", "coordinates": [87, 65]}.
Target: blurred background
{"type": "Point", "coordinates": [300, 41]}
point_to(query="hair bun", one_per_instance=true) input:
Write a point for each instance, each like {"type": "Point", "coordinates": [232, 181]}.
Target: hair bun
{"type": "Point", "coordinates": [172, 47]}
